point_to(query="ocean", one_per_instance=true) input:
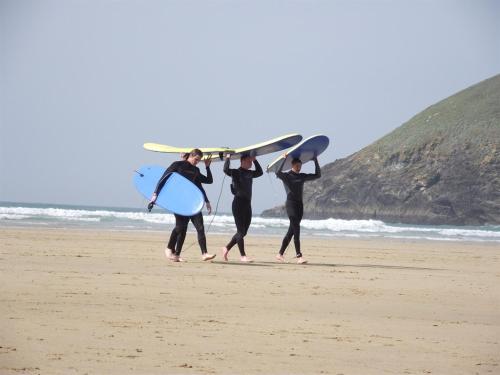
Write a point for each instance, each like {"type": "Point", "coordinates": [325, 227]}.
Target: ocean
{"type": "Point", "coordinates": [109, 218]}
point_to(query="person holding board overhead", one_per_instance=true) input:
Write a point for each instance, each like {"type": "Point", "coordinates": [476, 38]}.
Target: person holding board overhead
{"type": "Point", "coordinates": [241, 187]}
{"type": "Point", "coordinates": [197, 220]}
{"type": "Point", "coordinates": [294, 187]}
{"type": "Point", "coordinates": [187, 168]}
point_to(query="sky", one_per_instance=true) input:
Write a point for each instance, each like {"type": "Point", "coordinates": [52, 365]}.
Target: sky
{"type": "Point", "coordinates": [83, 84]}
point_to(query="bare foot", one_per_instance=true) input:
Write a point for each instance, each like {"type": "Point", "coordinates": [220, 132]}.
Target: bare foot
{"type": "Point", "coordinates": [301, 261]}
{"type": "Point", "coordinates": [280, 258]}
{"type": "Point", "coordinates": [176, 258]}
{"type": "Point", "coordinates": [246, 259]}
{"type": "Point", "coordinates": [169, 253]}
{"type": "Point", "coordinates": [225, 251]}
{"type": "Point", "coordinates": [206, 256]}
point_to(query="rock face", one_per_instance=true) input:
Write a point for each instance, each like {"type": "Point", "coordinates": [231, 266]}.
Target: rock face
{"type": "Point", "coordinates": [441, 167]}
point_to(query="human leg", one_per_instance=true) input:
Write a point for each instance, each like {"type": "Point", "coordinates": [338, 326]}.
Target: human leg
{"type": "Point", "coordinates": [242, 213]}
{"type": "Point", "coordinates": [286, 239]}
{"type": "Point", "coordinates": [197, 221]}
{"type": "Point", "coordinates": [234, 239]}
{"type": "Point", "coordinates": [295, 226]}
{"type": "Point", "coordinates": [238, 209]}
{"type": "Point", "coordinates": [173, 239]}
{"type": "Point", "coordinates": [170, 250]}
{"type": "Point", "coordinates": [292, 212]}
{"type": "Point", "coordinates": [181, 223]}
{"type": "Point", "coordinates": [295, 223]}
{"type": "Point", "coordinates": [244, 224]}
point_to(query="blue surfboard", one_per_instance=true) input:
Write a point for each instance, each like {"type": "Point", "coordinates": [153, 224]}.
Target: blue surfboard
{"type": "Point", "coordinates": [179, 195]}
{"type": "Point", "coordinates": [305, 151]}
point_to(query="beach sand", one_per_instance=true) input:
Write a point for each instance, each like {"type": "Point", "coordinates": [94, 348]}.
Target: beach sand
{"type": "Point", "coordinates": [108, 302]}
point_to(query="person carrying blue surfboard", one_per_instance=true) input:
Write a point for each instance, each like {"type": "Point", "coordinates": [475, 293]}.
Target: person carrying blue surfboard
{"type": "Point", "coordinates": [188, 169]}
{"type": "Point", "coordinates": [241, 187]}
{"type": "Point", "coordinates": [294, 187]}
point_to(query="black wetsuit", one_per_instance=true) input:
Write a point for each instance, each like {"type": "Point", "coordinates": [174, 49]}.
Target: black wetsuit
{"type": "Point", "coordinates": [178, 234]}
{"type": "Point", "coordinates": [241, 187]}
{"type": "Point", "coordinates": [294, 187]}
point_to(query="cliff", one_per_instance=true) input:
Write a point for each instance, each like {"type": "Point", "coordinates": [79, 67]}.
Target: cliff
{"type": "Point", "coordinates": [441, 167]}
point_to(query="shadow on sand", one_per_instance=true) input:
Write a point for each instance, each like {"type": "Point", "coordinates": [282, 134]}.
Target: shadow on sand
{"type": "Point", "coordinates": [333, 265]}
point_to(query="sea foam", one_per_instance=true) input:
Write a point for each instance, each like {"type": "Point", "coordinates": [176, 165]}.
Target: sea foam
{"type": "Point", "coordinates": [11, 214]}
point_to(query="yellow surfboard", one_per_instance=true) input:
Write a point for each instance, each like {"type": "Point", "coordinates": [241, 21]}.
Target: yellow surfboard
{"type": "Point", "coordinates": [207, 151]}
{"type": "Point", "coordinates": [217, 153]}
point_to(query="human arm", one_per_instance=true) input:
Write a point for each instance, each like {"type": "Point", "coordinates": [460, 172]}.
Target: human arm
{"type": "Point", "coordinates": [279, 172]}
{"type": "Point", "coordinates": [317, 172]}
{"type": "Point", "coordinates": [208, 179]}
{"type": "Point", "coordinates": [208, 161]}
{"type": "Point", "coordinates": [226, 168]}
{"type": "Point", "coordinates": [159, 186]}
{"type": "Point", "coordinates": [207, 202]}
{"type": "Point", "coordinates": [258, 169]}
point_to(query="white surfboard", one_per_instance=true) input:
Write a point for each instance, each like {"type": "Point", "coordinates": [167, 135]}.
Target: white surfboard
{"type": "Point", "coordinates": [217, 153]}
{"type": "Point", "coordinates": [267, 147]}
{"type": "Point", "coordinates": [306, 150]}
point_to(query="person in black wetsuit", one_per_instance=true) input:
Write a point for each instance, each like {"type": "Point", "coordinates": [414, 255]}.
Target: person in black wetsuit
{"type": "Point", "coordinates": [197, 221]}
{"type": "Point", "coordinates": [294, 187]}
{"type": "Point", "coordinates": [188, 169]}
{"type": "Point", "coordinates": [241, 187]}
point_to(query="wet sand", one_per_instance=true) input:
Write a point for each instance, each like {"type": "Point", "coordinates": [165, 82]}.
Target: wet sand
{"type": "Point", "coordinates": [108, 302]}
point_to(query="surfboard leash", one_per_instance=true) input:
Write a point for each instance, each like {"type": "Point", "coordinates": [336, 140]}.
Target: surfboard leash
{"type": "Point", "coordinates": [217, 204]}
{"type": "Point", "coordinates": [215, 213]}
{"type": "Point", "coordinates": [273, 186]}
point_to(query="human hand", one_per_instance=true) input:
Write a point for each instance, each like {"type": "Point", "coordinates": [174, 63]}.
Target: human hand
{"type": "Point", "coordinates": [208, 160]}
{"type": "Point", "coordinates": [152, 201]}
{"type": "Point", "coordinates": [209, 208]}
{"type": "Point", "coordinates": [150, 206]}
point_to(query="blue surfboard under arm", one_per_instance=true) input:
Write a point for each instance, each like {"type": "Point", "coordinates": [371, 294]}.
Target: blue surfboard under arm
{"type": "Point", "coordinates": [178, 195]}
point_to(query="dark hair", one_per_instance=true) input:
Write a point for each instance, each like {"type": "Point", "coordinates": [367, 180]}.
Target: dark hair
{"type": "Point", "coordinates": [196, 152]}
{"type": "Point", "coordinates": [296, 161]}
{"type": "Point", "coordinates": [244, 156]}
